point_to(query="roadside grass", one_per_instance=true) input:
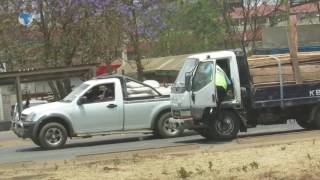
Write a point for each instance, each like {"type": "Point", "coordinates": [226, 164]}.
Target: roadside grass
{"type": "Point", "coordinates": [299, 160]}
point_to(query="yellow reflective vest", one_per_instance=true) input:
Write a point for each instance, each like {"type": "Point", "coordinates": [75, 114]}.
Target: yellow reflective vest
{"type": "Point", "coordinates": [221, 78]}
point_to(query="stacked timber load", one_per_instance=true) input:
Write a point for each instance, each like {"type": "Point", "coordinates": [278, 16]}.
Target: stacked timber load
{"type": "Point", "coordinates": [264, 68]}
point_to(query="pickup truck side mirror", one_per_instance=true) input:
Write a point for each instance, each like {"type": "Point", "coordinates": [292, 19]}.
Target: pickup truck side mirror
{"type": "Point", "coordinates": [188, 81]}
{"type": "Point", "coordinates": [82, 100]}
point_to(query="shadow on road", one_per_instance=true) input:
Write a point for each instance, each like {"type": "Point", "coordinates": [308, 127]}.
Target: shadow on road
{"type": "Point", "coordinates": [245, 135]}
{"type": "Point", "coordinates": [91, 143]}
{"type": "Point", "coordinates": [88, 143]}
{"type": "Point", "coordinates": [186, 139]}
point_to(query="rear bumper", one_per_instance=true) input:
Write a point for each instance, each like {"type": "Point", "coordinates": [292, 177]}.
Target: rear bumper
{"type": "Point", "coordinates": [22, 130]}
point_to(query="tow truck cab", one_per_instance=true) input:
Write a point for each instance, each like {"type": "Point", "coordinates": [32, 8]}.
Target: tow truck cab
{"type": "Point", "coordinates": [188, 105]}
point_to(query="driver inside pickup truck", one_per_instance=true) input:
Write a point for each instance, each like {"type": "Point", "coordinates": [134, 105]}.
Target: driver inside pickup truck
{"type": "Point", "coordinates": [93, 94]}
{"type": "Point", "coordinates": [108, 92]}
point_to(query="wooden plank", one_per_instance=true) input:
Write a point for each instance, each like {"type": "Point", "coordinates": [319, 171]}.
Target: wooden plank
{"type": "Point", "coordinates": [272, 62]}
{"type": "Point", "coordinates": [286, 77]}
{"type": "Point", "coordinates": [285, 70]}
{"type": "Point", "coordinates": [283, 56]}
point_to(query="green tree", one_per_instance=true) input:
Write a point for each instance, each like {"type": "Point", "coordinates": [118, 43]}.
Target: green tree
{"type": "Point", "coordinates": [193, 26]}
{"type": "Point", "coordinates": [66, 33]}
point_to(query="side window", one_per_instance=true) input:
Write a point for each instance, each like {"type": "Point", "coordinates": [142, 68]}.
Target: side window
{"type": "Point", "coordinates": [203, 76]}
{"type": "Point", "coordinates": [100, 93]}
{"type": "Point", "coordinates": [137, 90]}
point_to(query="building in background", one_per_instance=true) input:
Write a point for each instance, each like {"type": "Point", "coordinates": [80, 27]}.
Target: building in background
{"type": "Point", "coordinates": [162, 69]}
{"type": "Point", "coordinates": [264, 18]}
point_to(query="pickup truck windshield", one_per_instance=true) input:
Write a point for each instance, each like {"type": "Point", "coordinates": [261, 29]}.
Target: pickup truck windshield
{"type": "Point", "coordinates": [75, 93]}
{"type": "Point", "coordinates": [188, 66]}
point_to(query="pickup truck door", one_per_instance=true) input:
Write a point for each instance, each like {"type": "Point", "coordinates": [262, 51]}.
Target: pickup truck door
{"type": "Point", "coordinates": [203, 88]}
{"type": "Point", "coordinates": [103, 110]}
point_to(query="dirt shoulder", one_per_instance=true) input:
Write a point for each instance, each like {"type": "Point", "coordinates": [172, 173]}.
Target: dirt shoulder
{"type": "Point", "coordinates": [245, 158]}
{"type": "Point", "coordinates": [13, 143]}
{"type": "Point", "coordinates": [9, 139]}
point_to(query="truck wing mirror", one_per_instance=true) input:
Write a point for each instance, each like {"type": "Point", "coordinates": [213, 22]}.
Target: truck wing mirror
{"type": "Point", "coordinates": [188, 81]}
{"type": "Point", "coordinates": [82, 100]}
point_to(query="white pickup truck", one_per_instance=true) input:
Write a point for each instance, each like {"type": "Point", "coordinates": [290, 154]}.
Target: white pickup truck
{"type": "Point", "coordinates": [105, 105]}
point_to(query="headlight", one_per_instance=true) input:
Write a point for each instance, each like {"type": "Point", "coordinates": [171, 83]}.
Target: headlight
{"type": "Point", "coordinates": [29, 117]}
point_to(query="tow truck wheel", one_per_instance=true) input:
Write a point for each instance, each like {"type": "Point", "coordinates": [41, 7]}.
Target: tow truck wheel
{"type": "Point", "coordinates": [316, 120]}
{"type": "Point", "coordinates": [205, 133]}
{"type": "Point", "coordinates": [53, 136]}
{"type": "Point", "coordinates": [304, 124]}
{"type": "Point", "coordinates": [225, 127]}
{"type": "Point", "coordinates": [164, 130]}
{"type": "Point", "coordinates": [36, 141]}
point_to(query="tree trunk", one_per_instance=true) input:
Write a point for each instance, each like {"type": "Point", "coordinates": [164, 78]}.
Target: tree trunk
{"type": "Point", "coordinates": [246, 14]}
{"type": "Point", "coordinates": [61, 89]}
{"type": "Point", "coordinates": [54, 90]}
{"type": "Point", "coordinates": [293, 46]}
{"type": "Point", "coordinates": [139, 66]}
{"type": "Point", "coordinates": [318, 7]}
{"type": "Point", "coordinates": [67, 86]}
{"type": "Point", "coordinates": [135, 42]}
{"type": "Point", "coordinates": [228, 23]}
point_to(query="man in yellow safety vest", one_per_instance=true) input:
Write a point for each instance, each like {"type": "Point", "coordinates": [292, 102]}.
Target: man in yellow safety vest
{"type": "Point", "coordinates": [222, 83]}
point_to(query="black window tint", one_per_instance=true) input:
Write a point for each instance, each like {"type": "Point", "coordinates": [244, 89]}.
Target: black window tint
{"type": "Point", "coordinates": [100, 93]}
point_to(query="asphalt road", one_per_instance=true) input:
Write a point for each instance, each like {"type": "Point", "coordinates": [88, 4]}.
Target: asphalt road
{"type": "Point", "coordinates": [115, 143]}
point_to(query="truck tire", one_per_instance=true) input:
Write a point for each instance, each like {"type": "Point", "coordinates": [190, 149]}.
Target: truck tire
{"type": "Point", "coordinates": [205, 132]}
{"type": "Point", "coordinates": [304, 124]}
{"type": "Point", "coordinates": [35, 141]}
{"type": "Point", "coordinates": [225, 127]}
{"type": "Point", "coordinates": [316, 120]}
{"type": "Point", "coordinates": [163, 128]}
{"type": "Point", "coordinates": [53, 136]}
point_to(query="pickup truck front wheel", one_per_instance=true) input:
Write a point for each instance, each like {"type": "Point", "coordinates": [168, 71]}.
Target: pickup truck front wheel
{"type": "Point", "coordinates": [52, 136]}
{"type": "Point", "coordinates": [163, 128]}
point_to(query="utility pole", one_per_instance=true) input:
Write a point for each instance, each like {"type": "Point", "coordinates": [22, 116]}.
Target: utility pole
{"type": "Point", "coordinates": [293, 43]}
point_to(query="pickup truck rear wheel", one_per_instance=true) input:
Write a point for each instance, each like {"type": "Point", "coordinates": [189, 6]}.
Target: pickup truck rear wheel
{"type": "Point", "coordinates": [163, 128]}
{"type": "Point", "coordinates": [225, 127]}
{"type": "Point", "coordinates": [53, 136]}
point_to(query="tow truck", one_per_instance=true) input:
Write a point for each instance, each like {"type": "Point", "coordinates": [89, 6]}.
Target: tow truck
{"type": "Point", "coordinates": [246, 105]}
